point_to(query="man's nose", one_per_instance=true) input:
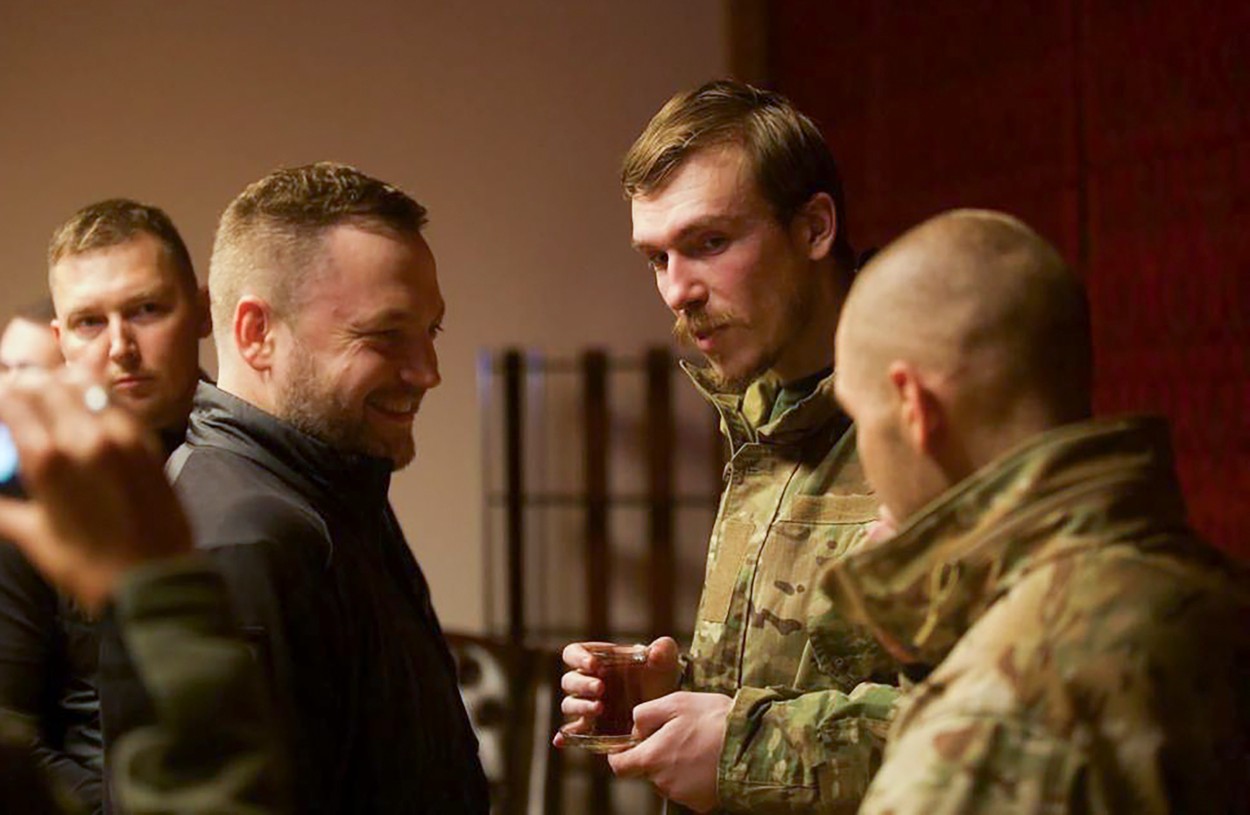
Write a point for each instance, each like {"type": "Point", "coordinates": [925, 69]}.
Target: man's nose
{"type": "Point", "coordinates": [121, 339]}
{"type": "Point", "coordinates": [681, 286]}
{"type": "Point", "coordinates": [421, 365]}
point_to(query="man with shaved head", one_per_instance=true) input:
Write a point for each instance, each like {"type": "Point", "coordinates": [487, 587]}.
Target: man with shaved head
{"type": "Point", "coordinates": [28, 341]}
{"type": "Point", "coordinates": [1084, 650]}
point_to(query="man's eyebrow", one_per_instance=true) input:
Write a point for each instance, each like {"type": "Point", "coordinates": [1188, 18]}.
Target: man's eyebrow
{"type": "Point", "coordinates": [697, 225]}
{"type": "Point", "coordinates": [156, 292]}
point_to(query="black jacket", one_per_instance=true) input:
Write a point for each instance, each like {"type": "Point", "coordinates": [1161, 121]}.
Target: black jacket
{"type": "Point", "coordinates": [329, 593]}
{"type": "Point", "coordinates": [47, 674]}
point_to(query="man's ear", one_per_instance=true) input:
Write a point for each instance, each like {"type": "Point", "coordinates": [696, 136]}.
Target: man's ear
{"type": "Point", "coordinates": [920, 411]}
{"type": "Point", "coordinates": [55, 325]}
{"type": "Point", "coordinates": [818, 225]}
{"type": "Point", "coordinates": [206, 312]}
{"type": "Point", "coordinates": [254, 327]}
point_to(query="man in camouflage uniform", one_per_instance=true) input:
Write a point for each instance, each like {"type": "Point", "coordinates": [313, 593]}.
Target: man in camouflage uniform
{"type": "Point", "coordinates": [1088, 653]}
{"type": "Point", "coordinates": [103, 524]}
{"type": "Point", "coordinates": [737, 206]}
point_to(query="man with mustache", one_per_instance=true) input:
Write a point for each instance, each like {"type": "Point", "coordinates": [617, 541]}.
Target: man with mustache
{"type": "Point", "coordinates": [738, 209]}
{"type": "Point", "coordinates": [326, 306]}
{"type": "Point", "coordinates": [1083, 650]}
{"type": "Point", "coordinates": [129, 312]}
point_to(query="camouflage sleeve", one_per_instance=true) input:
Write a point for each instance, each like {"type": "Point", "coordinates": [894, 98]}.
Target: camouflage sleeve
{"type": "Point", "coordinates": [971, 763]}
{"type": "Point", "coordinates": [791, 752]}
{"type": "Point", "coordinates": [212, 748]}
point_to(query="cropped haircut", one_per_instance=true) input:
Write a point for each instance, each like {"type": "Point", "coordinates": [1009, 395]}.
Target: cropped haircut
{"type": "Point", "coordinates": [268, 237]}
{"type": "Point", "coordinates": [115, 221]}
{"type": "Point", "coordinates": [788, 155]}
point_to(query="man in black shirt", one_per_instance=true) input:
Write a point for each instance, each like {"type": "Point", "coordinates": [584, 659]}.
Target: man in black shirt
{"type": "Point", "coordinates": [326, 306]}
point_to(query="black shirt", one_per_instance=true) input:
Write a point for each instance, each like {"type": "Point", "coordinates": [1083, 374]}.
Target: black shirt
{"type": "Point", "coordinates": [47, 674]}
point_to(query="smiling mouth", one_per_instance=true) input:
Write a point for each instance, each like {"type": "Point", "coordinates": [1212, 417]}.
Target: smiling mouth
{"type": "Point", "coordinates": [401, 410]}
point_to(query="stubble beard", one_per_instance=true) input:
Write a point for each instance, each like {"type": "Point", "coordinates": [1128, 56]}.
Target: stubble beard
{"type": "Point", "coordinates": [312, 405]}
{"type": "Point", "coordinates": [796, 308]}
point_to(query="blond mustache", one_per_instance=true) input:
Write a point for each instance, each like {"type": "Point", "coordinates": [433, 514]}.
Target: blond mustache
{"type": "Point", "coordinates": [689, 324]}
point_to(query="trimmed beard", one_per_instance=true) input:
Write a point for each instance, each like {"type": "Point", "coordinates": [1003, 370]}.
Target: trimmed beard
{"type": "Point", "coordinates": [313, 407]}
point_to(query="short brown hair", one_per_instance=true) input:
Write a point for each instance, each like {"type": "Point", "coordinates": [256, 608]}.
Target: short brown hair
{"type": "Point", "coordinates": [267, 235]}
{"type": "Point", "coordinates": [113, 222]}
{"type": "Point", "coordinates": [789, 157]}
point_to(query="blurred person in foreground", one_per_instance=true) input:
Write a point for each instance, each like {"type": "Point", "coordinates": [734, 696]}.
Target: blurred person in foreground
{"type": "Point", "coordinates": [102, 523]}
{"type": "Point", "coordinates": [127, 311]}
{"type": "Point", "coordinates": [1085, 651]}
{"type": "Point", "coordinates": [326, 307]}
{"type": "Point", "coordinates": [737, 207]}
{"type": "Point", "coordinates": [28, 340]}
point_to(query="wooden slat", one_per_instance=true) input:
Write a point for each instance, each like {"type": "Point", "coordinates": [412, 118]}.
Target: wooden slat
{"type": "Point", "coordinates": [659, 424]}
{"type": "Point", "coordinates": [514, 464]}
{"type": "Point", "coordinates": [597, 555]}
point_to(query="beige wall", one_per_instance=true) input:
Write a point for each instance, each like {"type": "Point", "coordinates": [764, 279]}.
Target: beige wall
{"type": "Point", "coordinates": [506, 119]}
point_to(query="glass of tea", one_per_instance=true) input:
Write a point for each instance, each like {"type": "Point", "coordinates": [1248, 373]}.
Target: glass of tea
{"type": "Point", "coordinates": [620, 668]}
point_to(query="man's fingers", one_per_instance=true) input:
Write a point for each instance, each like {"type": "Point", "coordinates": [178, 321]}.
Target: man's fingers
{"type": "Point", "coordinates": [577, 684]}
{"type": "Point", "coordinates": [572, 706]}
{"type": "Point", "coordinates": [576, 656]}
{"type": "Point", "coordinates": [651, 716]}
{"type": "Point", "coordinates": [632, 763]}
{"type": "Point", "coordinates": [19, 521]}
{"type": "Point", "coordinates": [662, 653]}
{"type": "Point", "coordinates": [27, 427]}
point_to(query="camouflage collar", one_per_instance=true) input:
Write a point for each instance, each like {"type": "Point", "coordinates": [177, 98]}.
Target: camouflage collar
{"type": "Point", "coordinates": [1075, 487]}
{"type": "Point", "coordinates": [744, 416]}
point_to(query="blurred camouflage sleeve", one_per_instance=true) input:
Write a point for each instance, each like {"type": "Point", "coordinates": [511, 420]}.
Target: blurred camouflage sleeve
{"type": "Point", "coordinates": [815, 752]}
{"type": "Point", "coordinates": [971, 764]}
{"type": "Point", "coordinates": [212, 748]}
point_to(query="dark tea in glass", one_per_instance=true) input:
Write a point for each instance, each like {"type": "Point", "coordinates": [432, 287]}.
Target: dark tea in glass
{"type": "Point", "coordinates": [620, 667]}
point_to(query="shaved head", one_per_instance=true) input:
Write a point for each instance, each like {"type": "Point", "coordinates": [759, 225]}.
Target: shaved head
{"type": "Point", "coordinates": [978, 298]}
{"type": "Point", "coordinates": [979, 322]}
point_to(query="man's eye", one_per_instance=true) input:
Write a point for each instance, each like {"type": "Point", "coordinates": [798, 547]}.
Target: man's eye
{"type": "Point", "coordinates": [88, 325]}
{"type": "Point", "coordinates": [436, 329]}
{"type": "Point", "coordinates": [713, 243]}
{"type": "Point", "coordinates": [658, 261]}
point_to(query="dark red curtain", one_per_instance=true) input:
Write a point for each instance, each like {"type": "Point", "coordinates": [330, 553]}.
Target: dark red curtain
{"type": "Point", "coordinates": [1119, 129]}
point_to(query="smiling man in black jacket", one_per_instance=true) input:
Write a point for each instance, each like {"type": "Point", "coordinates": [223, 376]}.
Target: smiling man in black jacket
{"type": "Point", "coordinates": [326, 306]}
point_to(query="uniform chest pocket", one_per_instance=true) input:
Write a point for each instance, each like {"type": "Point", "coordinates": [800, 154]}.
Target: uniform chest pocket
{"type": "Point", "coordinates": [810, 532]}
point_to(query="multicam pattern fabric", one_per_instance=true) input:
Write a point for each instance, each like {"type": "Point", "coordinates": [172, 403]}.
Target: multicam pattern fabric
{"type": "Point", "coordinates": [1090, 653]}
{"type": "Point", "coordinates": [802, 736]}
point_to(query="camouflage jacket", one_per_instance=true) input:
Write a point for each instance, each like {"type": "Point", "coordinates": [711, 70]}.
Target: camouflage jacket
{"type": "Point", "coordinates": [211, 749]}
{"type": "Point", "coordinates": [1089, 652]}
{"type": "Point", "coordinates": [802, 734]}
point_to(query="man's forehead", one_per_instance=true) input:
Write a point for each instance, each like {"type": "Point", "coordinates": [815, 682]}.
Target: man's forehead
{"type": "Point", "coordinates": [713, 185]}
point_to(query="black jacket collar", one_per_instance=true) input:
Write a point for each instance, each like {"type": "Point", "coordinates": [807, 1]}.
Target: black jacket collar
{"type": "Point", "coordinates": [222, 420]}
